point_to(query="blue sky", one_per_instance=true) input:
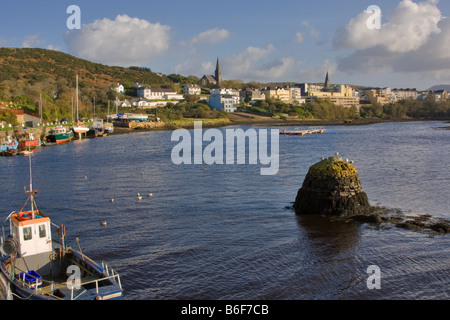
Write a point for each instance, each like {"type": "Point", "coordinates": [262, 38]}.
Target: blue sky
{"type": "Point", "coordinates": [264, 40]}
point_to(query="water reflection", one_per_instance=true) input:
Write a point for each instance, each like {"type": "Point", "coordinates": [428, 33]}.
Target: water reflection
{"type": "Point", "coordinates": [341, 235]}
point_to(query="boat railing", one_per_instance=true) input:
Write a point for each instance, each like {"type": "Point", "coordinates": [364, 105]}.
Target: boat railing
{"type": "Point", "coordinates": [113, 276]}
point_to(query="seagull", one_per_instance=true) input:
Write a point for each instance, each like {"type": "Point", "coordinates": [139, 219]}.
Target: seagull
{"type": "Point", "coordinates": [150, 195]}
{"type": "Point", "coordinates": [139, 196]}
{"type": "Point", "coordinates": [337, 153]}
{"type": "Point", "coordinates": [111, 200]}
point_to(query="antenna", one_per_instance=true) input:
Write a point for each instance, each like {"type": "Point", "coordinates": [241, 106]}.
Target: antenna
{"type": "Point", "coordinates": [31, 192]}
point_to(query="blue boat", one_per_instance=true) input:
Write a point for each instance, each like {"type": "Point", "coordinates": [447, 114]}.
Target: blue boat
{"type": "Point", "coordinates": [33, 266]}
{"type": "Point", "coordinates": [9, 147]}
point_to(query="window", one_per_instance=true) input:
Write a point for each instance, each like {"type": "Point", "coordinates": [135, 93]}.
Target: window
{"type": "Point", "coordinates": [27, 233]}
{"type": "Point", "coordinates": [42, 231]}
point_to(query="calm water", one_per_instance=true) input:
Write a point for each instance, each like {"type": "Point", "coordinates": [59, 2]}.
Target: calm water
{"type": "Point", "coordinates": [224, 232]}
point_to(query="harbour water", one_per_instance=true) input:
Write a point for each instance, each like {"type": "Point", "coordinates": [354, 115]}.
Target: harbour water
{"type": "Point", "coordinates": [226, 232]}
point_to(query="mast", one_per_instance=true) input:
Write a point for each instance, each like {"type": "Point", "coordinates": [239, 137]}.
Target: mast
{"type": "Point", "coordinates": [77, 98]}
{"type": "Point", "coordinates": [40, 106]}
{"type": "Point", "coordinates": [31, 192]}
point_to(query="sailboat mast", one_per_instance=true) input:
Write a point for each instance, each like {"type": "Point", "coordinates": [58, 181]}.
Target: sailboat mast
{"type": "Point", "coordinates": [77, 98]}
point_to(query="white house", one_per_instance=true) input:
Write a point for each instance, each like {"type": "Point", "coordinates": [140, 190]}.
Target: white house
{"type": "Point", "coordinates": [192, 89]}
{"type": "Point", "coordinates": [122, 104]}
{"type": "Point", "coordinates": [158, 94]}
{"type": "Point", "coordinates": [118, 88]}
{"type": "Point", "coordinates": [234, 93]}
{"type": "Point", "coordinates": [225, 102]}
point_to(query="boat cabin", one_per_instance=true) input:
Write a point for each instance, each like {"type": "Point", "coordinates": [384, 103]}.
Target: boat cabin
{"type": "Point", "coordinates": [31, 232]}
{"type": "Point", "coordinates": [59, 130]}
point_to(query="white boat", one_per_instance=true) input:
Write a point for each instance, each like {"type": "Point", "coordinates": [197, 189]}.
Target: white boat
{"type": "Point", "coordinates": [80, 128]}
{"type": "Point", "coordinates": [33, 267]}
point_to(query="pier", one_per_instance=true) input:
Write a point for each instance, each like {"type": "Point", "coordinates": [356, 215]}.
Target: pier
{"type": "Point", "coordinates": [302, 132]}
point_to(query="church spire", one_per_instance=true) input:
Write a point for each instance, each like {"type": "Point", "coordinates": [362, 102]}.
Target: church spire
{"type": "Point", "coordinates": [218, 74]}
{"type": "Point", "coordinates": [327, 81]}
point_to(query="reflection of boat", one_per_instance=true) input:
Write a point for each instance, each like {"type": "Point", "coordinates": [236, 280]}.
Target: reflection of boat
{"type": "Point", "coordinates": [33, 267]}
{"type": "Point", "coordinates": [59, 135]}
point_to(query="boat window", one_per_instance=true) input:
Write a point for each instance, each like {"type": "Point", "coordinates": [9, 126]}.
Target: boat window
{"type": "Point", "coordinates": [27, 233]}
{"type": "Point", "coordinates": [42, 231]}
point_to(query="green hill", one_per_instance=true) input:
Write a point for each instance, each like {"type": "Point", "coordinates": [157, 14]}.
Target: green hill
{"type": "Point", "coordinates": [34, 65]}
{"type": "Point", "coordinates": [28, 74]}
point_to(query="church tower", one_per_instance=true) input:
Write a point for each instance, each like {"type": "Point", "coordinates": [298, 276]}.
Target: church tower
{"type": "Point", "coordinates": [218, 74]}
{"type": "Point", "coordinates": [327, 82]}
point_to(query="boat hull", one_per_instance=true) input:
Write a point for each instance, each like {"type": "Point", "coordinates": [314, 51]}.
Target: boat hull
{"type": "Point", "coordinates": [28, 144]}
{"type": "Point", "coordinates": [60, 137]}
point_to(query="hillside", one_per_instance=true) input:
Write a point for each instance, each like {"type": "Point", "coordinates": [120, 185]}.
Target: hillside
{"type": "Point", "coordinates": [440, 87]}
{"type": "Point", "coordinates": [34, 65]}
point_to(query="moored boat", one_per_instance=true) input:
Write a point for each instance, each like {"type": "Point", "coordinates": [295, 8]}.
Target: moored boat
{"type": "Point", "coordinates": [9, 147]}
{"type": "Point", "coordinates": [34, 267]}
{"type": "Point", "coordinates": [59, 135]}
{"type": "Point", "coordinates": [108, 127]}
{"type": "Point", "coordinates": [28, 142]}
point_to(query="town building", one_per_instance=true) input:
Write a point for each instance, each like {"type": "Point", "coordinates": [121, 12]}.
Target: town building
{"type": "Point", "coordinates": [379, 95]}
{"type": "Point", "coordinates": [402, 94]}
{"type": "Point", "coordinates": [225, 102]}
{"type": "Point", "coordinates": [158, 94]}
{"type": "Point", "coordinates": [192, 89]}
{"type": "Point", "coordinates": [282, 94]}
{"type": "Point", "coordinates": [339, 94]}
{"type": "Point", "coordinates": [251, 94]}
{"type": "Point", "coordinates": [118, 88]}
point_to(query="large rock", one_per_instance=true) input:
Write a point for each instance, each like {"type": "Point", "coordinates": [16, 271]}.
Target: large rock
{"type": "Point", "coordinates": [332, 187]}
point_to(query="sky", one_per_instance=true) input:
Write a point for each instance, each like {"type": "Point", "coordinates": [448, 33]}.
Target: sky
{"type": "Point", "coordinates": [406, 45]}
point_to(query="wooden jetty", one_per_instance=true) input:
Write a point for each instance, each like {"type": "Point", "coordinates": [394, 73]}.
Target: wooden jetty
{"type": "Point", "coordinates": [302, 132]}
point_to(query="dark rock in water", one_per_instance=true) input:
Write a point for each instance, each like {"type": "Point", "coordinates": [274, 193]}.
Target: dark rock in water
{"type": "Point", "coordinates": [332, 187]}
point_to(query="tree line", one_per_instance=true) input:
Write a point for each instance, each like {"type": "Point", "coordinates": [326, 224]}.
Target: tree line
{"type": "Point", "coordinates": [324, 109]}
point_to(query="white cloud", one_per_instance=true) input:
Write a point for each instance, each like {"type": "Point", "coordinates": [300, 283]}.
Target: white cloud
{"type": "Point", "coordinates": [414, 38]}
{"type": "Point", "coordinates": [250, 64]}
{"type": "Point", "coordinates": [124, 41]}
{"type": "Point", "coordinates": [211, 36]}
{"type": "Point", "coordinates": [299, 38]}
{"type": "Point", "coordinates": [32, 41]}
{"type": "Point", "coordinates": [317, 73]}
{"type": "Point", "coordinates": [312, 31]}
{"type": "Point", "coordinates": [408, 28]}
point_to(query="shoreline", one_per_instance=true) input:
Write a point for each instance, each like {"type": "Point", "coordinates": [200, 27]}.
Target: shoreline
{"type": "Point", "coordinates": [255, 120]}
{"type": "Point", "coordinates": [236, 119]}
